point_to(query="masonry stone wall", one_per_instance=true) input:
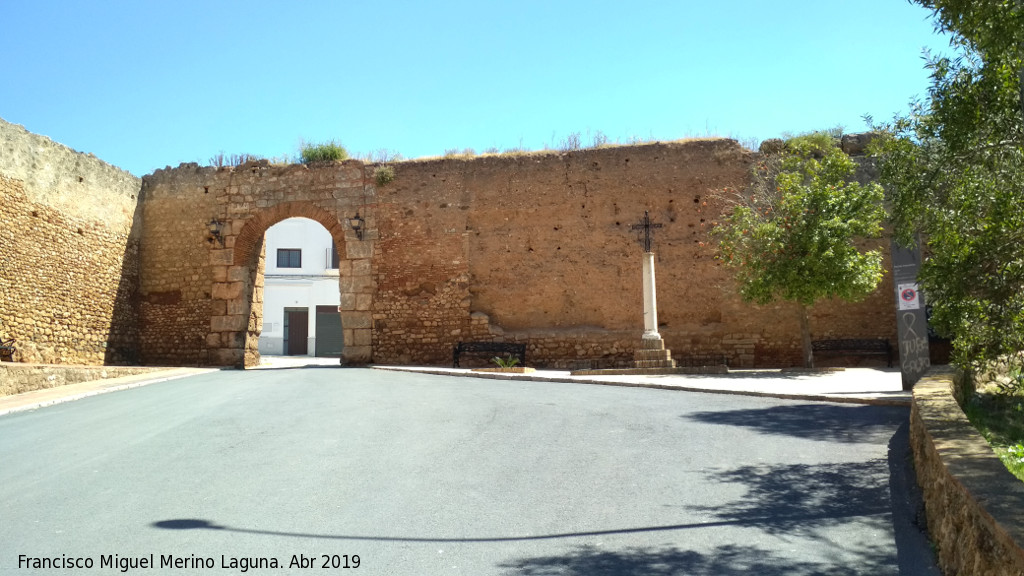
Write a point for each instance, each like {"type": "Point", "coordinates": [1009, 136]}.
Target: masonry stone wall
{"type": "Point", "coordinates": [68, 253]}
{"type": "Point", "coordinates": [533, 248]}
{"type": "Point", "coordinates": [537, 248]}
{"type": "Point", "coordinates": [19, 378]}
{"type": "Point", "coordinates": [974, 505]}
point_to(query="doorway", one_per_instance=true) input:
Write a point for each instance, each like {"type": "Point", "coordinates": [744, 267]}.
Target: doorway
{"type": "Point", "coordinates": [330, 339]}
{"type": "Point", "coordinates": [296, 331]}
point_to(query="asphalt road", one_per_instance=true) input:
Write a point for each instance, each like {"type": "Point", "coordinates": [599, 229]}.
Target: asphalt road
{"type": "Point", "coordinates": [423, 475]}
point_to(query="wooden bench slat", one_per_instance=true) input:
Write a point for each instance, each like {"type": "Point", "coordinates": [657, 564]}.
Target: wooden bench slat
{"type": "Point", "coordinates": [853, 347]}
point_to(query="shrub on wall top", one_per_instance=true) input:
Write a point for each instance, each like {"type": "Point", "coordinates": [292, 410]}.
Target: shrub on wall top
{"type": "Point", "coordinates": [323, 152]}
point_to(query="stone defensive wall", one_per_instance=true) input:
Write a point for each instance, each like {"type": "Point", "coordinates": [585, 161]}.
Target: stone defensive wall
{"type": "Point", "coordinates": [974, 505]}
{"type": "Point", "coordinates": [532, 247]}
{"type": "Point", "coordinates": [18, 377]}
{"type": "Point", "coordinates": [68, 253]}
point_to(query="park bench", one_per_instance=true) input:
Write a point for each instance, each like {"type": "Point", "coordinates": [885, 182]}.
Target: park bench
{"type": "Point", "coordinates": [490, 349]}
{"type": "Point", "coordinates": [853, 347]}
{"type": "Point", "coordinates": [7, 350]}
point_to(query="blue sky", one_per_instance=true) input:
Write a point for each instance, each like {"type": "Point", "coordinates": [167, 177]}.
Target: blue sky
{"type": "Point", "coordinates": [145, 84]}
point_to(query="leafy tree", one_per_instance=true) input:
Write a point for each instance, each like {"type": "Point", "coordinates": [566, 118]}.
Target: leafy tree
{"type": "Point", "coordinates": [955, 169]}
{"type": "Point", "coordinates": [791, 235]}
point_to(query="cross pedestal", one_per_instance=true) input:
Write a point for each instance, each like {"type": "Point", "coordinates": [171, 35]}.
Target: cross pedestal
{"type": "Point", "coordinates": [652, 352]}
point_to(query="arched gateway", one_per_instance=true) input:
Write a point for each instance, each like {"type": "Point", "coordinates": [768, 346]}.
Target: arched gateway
{"type": "Point", "coordinates": [236, 294]}
{"type": "Point", "coordinates": [238, 288]}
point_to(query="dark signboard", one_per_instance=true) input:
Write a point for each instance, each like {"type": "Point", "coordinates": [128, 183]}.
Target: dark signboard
{"type": "Point", "coordinates": [911, 318]}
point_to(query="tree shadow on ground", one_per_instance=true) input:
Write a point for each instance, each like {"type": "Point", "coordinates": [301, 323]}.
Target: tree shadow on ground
{"type": "Point", "coordinates": [800, 499]}
{"type": "Point", "coordinates": [825, 422]}
{"type": "Point", "coordinates": [817, 504]}
{"type": "Point", "coordinates": [728, 560]}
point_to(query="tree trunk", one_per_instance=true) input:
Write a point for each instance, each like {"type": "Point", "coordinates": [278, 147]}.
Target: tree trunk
{"type": "Point", "coordinates": [805, 337]}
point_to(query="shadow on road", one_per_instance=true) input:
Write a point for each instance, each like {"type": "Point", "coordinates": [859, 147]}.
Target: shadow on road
{"type": "Point", "coordinates": [198, 524]}
{"type": "Point", "coordinates": [825, 422]}
{"type": "Point", "coordinates": [801, 499]}
{"type": "Point", "coordinates": [727, 560]}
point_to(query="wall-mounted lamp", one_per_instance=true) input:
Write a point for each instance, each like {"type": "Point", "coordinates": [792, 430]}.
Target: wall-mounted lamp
{"type": "Point", "coordinates": [216, 230]}
{"type": "Point", "coordinates": [357, 223]}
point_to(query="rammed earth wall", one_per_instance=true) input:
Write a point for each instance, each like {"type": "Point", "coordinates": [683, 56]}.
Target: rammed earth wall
{"type": "Point", "coordinates": [534, 248]}
{"type": "Point", "coordinates": [68, 253]}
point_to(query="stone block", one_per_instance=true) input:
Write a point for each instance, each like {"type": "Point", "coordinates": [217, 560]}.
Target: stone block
{"type": "Point", "coordinates": [232, 357]}
{"type": "Point", "coordinates": [356, 249]}
{"type": "Point", "coordinates": [229, 323]}
{"type": "Point", "coordinates": [237, 340]}
{"type": "Point", "coordinates": [356, 355]}
{"type": "Point", "coordinates": [362, 267]}
{"type": "Point", "coordinates": [238, 306]}
{"type": "Point", "coordinates": [218, 308]}
{"type": "Point", "coordinates": [362, 337]}
{"type": "Point", "coordinates": [364, 301]}
{"type": "Point", "coordinates": [222, 257]}
{"type": "Point", "coordinates": [361, 285]}
{"type": "Point", "coordinates": [348, 301]}
{"type": "Point", "coordinates": [226, 290]}
{"type": "Point", "coordinates": [219, 273]}
{"type": "Point", "coordinates": [214, 340]}
{"type": "Point", "coordinates": [353, 320]}
{"type": "Point", "coordinates": [239, 274]}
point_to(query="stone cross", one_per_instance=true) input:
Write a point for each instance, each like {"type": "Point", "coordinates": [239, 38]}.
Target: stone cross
{"type": "Point", "coordinates": [650, 292]}
{"type": "Point", "coordinates": [646, 226]}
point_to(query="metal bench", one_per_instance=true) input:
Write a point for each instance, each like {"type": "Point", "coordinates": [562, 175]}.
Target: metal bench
{"type": "Point", "coordinates": [7, 350]}
{"type": "Point", "coordinates": [489, 348]}
{"type": "Point", "coordinates": [853, 347]}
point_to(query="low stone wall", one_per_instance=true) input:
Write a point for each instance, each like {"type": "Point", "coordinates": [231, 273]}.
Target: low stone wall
{"type": "Point", "coordinates": [16, 378]}
{"type": "Point", "coordinates": [974, 505]}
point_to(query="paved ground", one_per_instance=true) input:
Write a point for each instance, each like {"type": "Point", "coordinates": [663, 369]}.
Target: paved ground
{"type": "Point", "coordinates": [424, 474]}
{"type": "Point", "coordinates": [856, 385]}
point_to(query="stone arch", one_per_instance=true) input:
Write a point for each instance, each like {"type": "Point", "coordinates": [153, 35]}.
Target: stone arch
{"type": "Point", "coordinates": [251, 235]}
{"type": "Point", "coordinates": [237, 295]}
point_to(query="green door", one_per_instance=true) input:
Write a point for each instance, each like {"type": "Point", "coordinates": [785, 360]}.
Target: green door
{"type": "Point", "coordinates": [329, 337]}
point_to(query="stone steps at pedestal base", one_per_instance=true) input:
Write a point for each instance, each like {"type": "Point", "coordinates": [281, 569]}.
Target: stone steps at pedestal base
{"type": "Point", "coordinates": [652, 344]}
{"type": "Point", "coordinates": [653, 354]}
{"type": "Point", "coordinates": [655, 363]}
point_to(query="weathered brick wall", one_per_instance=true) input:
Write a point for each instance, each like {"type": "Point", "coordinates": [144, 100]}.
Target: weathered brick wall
{"type": "Point", "coordinates": [68, 253]}
{"type": "Point", "coordinates": [538, 247]}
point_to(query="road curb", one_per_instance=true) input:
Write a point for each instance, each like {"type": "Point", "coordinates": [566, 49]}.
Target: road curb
{"type": "Point", "coordinates": [577, 380]}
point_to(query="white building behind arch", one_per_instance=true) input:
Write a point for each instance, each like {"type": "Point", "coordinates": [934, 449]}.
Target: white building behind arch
{"type": "Point", "coordinates": [300, 294]}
